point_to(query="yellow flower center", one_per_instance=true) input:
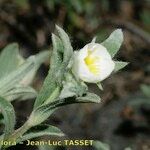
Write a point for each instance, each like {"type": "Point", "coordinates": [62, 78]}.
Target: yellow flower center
{"type": "Point", "coordinates": [90, 61]}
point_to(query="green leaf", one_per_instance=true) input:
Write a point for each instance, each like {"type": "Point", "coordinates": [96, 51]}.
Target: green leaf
{"type": "Point", "coordinates": [9, 116]}
{"type": "Point", "coordinates": [128, 148]}
{"type": "Point", "coordinates": [42, 112]}
{"type": "Point", "coordinates": [61, 55]}
{"type": "Point", "coordinates": [57, 43]}
{"type": "Point", "coordinates": [53, 96]}
{"type": "Point", "coordinates": [114, 42]}
{"type": "Point", "coordinates": [39, 59]}
{"type": "Point", "coordinates": [20, 92]}
{"type": "Point", "coordinates": [49, 87]}
{"type": "Point", "coordinates": [100, 146]}
{"type": "Point", "coordinates": [9, 81]}
{"type": "Point", "coordinates": [46, 147]}
{"type": "Point", "coordinates": [68, 50]}
{"type": "Point", "coordinates": [120, 65]}
{"type": "Point", "coordinates": [56, 58]}
{"type": "Point", "coordinates": [146, 90]}
{"type": "Point", "coordinates": [9, 59]}
{"type": "Point", "coordinates": [99, 86]}
{"type": "Point", "coordinates": [94, 39]}
{"type": "Point", "coordinates": [136, 102]}
{"type": "Point", "coordinates": [89, 98]}
{"type": "Point", "coordinates": [1, 118]}
{"type": "Point", "coordinates": [1, 138]}
{"type": "Point", "coordinates": [67, 91]}
{"type": "Point", "coordinates": [54, 75]}
{"type": "Point", "coordinates": [41, 130]}
{"type": "Point", "coordinates": [16, 77]}
{"type": "Point", "coordinates": [72, 87]}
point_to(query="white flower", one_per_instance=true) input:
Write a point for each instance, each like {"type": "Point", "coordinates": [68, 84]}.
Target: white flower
{"type": "Point", "coordinates": [92, 63]}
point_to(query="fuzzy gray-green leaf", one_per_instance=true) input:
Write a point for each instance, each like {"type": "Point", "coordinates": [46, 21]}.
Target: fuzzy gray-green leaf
{"type": "Point", "coordinates": [9, 81]}
{"type": "Point", "coordinates": [89, 98]}
{"type": "Point", "coordinates": [41, 130]}
{"type": "Point", "coordinates": [120, 65]}
{"type": "Point", "coordinates": [46, 147]}
{"type": "Point", "coordinates": [114, 41]}
{"type": "Point", "coordinates": [56, 58]}
{"type": "Point", "coordinates": [39, 59]}
{"type": "Point", "coordinates": [48, 88]}
{"type": "Point", "coordinates": [72, 87]}
{"type": "Point", "coordinates": [54, 75]}
{"type": "Point", "coordinates": [20, 92]}
{"type": "Point", "coordinates": [61, 55]}
{"type": "Point", "coordinates": [9, 59]}
{"type": "Point", "coordinates": [19, 75]}
{"type": "Point", "coordinates": [68, 50]}
{"type": "Point", "coordinates": [42, 112]}
{"type": "Point", "coordinates": [100, 86]}
{"type": "Point", "coordinates": [98, 145]}
{"type": "Point", "coordinates": [9, 116]}
{"type": "Point", "coordinates": [146, 90]}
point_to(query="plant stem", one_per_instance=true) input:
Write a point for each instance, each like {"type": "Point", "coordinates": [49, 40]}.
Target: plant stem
{"type": "Point", "coordinates": [18, 133]}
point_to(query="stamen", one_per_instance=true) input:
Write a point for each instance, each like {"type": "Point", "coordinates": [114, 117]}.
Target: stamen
{"type": "Point", "coordinates": [91, 62]}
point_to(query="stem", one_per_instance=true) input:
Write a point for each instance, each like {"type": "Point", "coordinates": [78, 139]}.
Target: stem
{"type": "Point", "coordinates": [18, 133]}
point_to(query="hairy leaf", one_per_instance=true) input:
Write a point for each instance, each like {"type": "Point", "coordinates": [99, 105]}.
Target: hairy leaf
{"type": "Point", "coordinates": [46, 147]}
{"type": "Point", "coordinates": [50, 83]}
{"type": "Point", "coordinates": [98, 145]}
{"type": "Point", "coordinates": [9, 81]}
{"type": "Point", "coordinates": [9, 59]}
{"type": "Point", "coordinates": [114, 42]}
{"type": "Point", "coordinates": [39, 59]}
{"type": "Point", "coordinates": [42, 112]}
{"type": "Point", "coordinates": [68, 50]}
{"type": "Point", "coordinates": [61, 55]}
{"type": "Point", "coordinates": [9, 116]}
{"type": "Point", "coordinates": [100, 86]}
{"type": "Point", "coordinates": [20, 92]}
{"type": "Point", "coordinates": [89, 98]}
{"type": "Point", "coordinates": [120, 65]}
{"type": "Point", "coordinates": [146, 90]}
{"type": "Point", "coordinates": [19, 75]}
{"type": "Point", "coordinates": [72, 87]}
{"type": "Point", "coordinates": [41, 130]}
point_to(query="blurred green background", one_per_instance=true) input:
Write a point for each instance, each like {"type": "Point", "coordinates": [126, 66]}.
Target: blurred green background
{"type": "Point", "coordinates": [123, 118]}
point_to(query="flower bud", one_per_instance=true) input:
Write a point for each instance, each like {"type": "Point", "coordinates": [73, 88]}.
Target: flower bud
{"type": "Point", "coordinates": [92, 63]}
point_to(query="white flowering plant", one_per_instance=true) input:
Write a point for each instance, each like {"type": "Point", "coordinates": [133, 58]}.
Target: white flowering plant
{"type": "Point", "coordinates": [65, 83]}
